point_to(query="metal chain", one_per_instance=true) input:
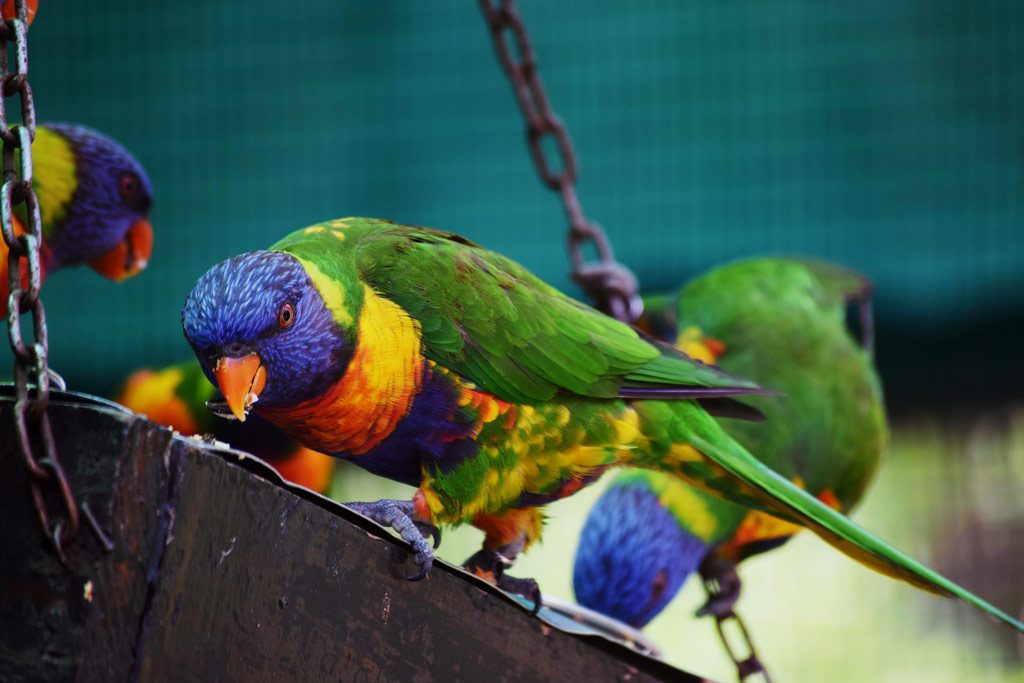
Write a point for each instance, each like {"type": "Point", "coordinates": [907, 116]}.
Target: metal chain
{"type": "Point", "coordinates": [47, 481]}
{"type": "Point", "coordinates": [747, 666]}
{"type": "Point", "coordinates": [611, 285]}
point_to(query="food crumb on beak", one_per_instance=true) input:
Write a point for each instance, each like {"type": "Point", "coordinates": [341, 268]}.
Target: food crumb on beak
{"type": "Point", "coordinates": [240, 380]}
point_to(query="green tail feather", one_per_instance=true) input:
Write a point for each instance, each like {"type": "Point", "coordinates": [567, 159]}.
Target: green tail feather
{"type": "Point", "coordinates": [784, 499]}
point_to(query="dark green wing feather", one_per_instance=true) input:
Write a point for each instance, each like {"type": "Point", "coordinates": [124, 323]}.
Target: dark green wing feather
{"type": "Point", "coordinates": [490, 320]}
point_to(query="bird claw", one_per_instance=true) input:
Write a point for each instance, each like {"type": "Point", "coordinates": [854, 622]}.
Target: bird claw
{"type": "Point", "coordinates": [423, 570]}
{"type": "Point", "coordinates": [398, 515]}
{"type": "Point", "coordinates": [490, 566]}
{"type": "Point", "coordinates": [722, 584]}
{"type": "Point", "coordinates": [428, 530]}
{"type": "Point", "coordinates": [528, 588]}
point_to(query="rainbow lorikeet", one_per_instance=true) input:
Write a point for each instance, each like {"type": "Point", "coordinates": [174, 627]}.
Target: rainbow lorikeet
{"type": "Point", "coordinates": [422, 357]}
{"type": "Point", "coordinates": [94, 201]}
{"type": "Point", "coordinates": [783, 323]}
{"type": "Point", "coordinates": [176, 397]}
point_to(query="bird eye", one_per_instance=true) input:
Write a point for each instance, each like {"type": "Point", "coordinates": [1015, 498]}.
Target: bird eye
{"type": "Point", "coordinates": [129, 185]}
{"type": "Point", "coordinates": [659, 585]}
{"type": "Point", "coordinates": [286, 316]}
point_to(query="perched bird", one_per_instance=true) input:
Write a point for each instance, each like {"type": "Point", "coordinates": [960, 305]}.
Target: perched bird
{"type": "Point", "coordinates": [94, 201]}
{"type": "Point", "coordinates": [176, 397]}
{"type": "Point", "coordinates": [782, 323]}
{"type": "Point", "coordinates": [425, 358]}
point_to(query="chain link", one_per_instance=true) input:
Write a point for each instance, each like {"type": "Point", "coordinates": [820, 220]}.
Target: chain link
{"type": "Point", "coordinates": [608, 283]}
{"type": "Point", "coordinates": [51, 495]}
{"type": "Point", "coordinates": [611, 285]}
{"type": "Point", "coordinates": [720, 577]}
{"type": "Point", "coordinates": [745, 666]}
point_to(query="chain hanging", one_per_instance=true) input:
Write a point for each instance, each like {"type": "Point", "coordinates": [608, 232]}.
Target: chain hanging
{"type": "Point", "coordinates": [722, 585]}
{"type": "Point", "coordinates": [31, 373]}
{"type": "Point", "coordinates": [608, 283]}
{"type": "Point", "coordinates": [745, 666]}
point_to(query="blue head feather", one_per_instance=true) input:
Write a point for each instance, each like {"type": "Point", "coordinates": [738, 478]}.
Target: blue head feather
{"type": "Point", "coordinates": [633, 556]}
{"type": "Point", "coordinates": [233, 310]}
{"type": "Point", "coordinates": [104, 205]}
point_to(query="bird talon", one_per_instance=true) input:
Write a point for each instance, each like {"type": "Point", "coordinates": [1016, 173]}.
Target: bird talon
{"type": "Point", "coordinates": [430, 531]}
{"type": "Point", "coordinates": [425, 566]}
{"type": "Point", "coordinates": [528, 588]}
{"type": "Point", "coordinates": [490, 566]}
{"type": "Point", "coordinates": [398, 515]}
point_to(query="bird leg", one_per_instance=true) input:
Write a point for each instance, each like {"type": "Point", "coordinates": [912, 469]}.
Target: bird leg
{"type": "Point", "coordinates": [400, 516]}
{"type": "Point", "coordinates": [508, 534]}
{"type": "Point", "coordinates": [490, 565]}
{"type": "Point", "coordinates": [722, 584]}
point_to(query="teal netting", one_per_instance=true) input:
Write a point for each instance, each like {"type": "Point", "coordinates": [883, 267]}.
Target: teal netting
{"type": "Point", "coordinates": [886, 135]}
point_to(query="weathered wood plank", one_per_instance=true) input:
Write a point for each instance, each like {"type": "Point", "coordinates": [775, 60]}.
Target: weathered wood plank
{"type": "Point", "coordinates": [220, 572]}
{"type": "Point", "coordinates": [44, 610]}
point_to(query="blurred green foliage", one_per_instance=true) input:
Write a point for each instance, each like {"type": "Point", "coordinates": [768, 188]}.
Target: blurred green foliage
{"type": "Point", "coordinates": [885, 135]}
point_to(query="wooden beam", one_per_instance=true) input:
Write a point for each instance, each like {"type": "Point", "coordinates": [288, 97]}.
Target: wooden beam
{"type": "Point", "coordinates": [220, 571]}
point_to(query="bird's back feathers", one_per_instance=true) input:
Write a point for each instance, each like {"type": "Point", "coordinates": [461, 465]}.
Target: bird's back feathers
{"type": "Point", "coordinates": [488, 319]}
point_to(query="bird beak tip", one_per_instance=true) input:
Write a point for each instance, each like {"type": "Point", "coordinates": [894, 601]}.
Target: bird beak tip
{"type": "Point", "coordinates": [241, 380]}
{"type": "Point", "coordinates": [128, 257]}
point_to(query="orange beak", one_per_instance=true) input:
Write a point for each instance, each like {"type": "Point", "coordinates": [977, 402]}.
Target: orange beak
{"type": "Point", "coordinates": [9, 13]}
{"type": "Point", "coordinates": [130, 256]}
{"type": "Point", "coordinates": [240, 380]}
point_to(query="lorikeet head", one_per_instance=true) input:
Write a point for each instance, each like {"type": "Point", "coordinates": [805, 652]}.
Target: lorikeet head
{"type": "Point", "coordinates": [94, 199]}
{"type": "Point", "coordinates": [261, 330]}
{"type": "Point", "coordinates": [633, 555]}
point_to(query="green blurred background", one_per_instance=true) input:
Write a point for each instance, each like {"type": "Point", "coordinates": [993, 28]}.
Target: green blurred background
{"type": "Point", "coordinates": [887, 135]}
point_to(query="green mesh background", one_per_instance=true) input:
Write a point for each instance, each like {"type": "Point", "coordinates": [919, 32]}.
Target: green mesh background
{"type": "Point", "coordinates": [885, 135]}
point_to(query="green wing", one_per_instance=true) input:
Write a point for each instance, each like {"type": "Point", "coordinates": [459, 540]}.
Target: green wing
{"type": "Point", "coordinates": [487, 318]}
{"type": "Point", "coordinates": [783, 323]}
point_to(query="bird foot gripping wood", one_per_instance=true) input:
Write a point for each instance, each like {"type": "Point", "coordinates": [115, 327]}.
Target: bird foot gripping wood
{"type": "Point", "coordinates": [722, 584]}
{"type": "Point", "coordinates": [398, 515]}
{"type": "Point", "coordinates": [490, 566]}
